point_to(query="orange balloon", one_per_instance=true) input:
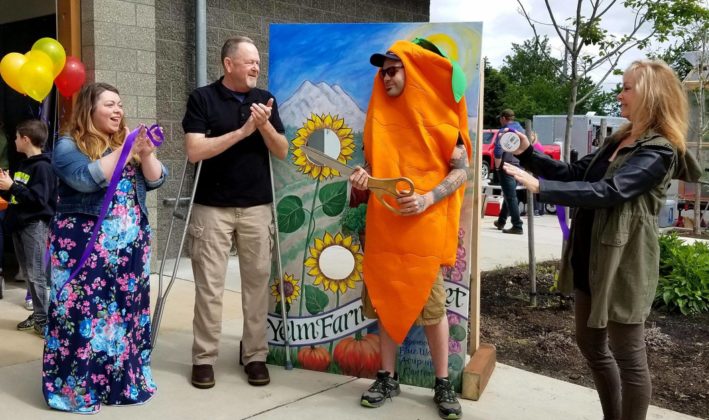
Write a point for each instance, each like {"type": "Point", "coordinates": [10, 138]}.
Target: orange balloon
{"type": "Point", "coordinates": [10, 70]}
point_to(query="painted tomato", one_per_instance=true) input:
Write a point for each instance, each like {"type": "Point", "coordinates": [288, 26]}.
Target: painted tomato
{"type": "Point", "coordinates": [358, 355]}
{"type": "Point", "coordinates": [314, 358]}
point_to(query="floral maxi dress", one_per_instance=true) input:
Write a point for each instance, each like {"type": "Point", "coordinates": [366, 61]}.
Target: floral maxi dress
{"type": "Point", "coordinates": [97, 342]}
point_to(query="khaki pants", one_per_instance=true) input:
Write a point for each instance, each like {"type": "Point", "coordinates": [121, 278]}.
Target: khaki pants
{"type": "Point", "coordinates": [212, 230]}
{"type": "Point", "coordinates": [433, 311]}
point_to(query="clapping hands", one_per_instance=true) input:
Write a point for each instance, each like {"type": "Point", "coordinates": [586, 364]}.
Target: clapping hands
{"type": "Point", "coordinates": [143, 146]}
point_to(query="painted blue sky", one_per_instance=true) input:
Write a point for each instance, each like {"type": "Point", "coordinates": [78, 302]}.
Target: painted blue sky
{"type": "Point", "coordinates": [333, 53]}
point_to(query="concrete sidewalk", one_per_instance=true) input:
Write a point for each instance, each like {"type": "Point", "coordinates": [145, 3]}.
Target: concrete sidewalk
{"type": "Point", "coordinates": [297, 394]}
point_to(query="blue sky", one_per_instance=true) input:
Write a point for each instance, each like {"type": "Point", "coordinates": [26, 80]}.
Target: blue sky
{"type": "Point", "coordinates": [334, 53]}
{"type": "Point", "coordinates": [313, 50]}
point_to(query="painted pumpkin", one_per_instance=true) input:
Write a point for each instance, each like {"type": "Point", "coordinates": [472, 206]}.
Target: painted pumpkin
{"type": "Point", "coordinates": [358, 355]}
{"type": "Point", "coordinates": [314, 358]}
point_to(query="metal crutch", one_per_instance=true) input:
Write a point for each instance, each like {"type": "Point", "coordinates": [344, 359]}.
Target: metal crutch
{"type": "Point", "coordinates": [289, 363]}
{"type": "Point", "coordinates": [162, 295]}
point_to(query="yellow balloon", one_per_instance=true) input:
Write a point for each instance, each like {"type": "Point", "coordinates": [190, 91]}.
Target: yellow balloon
{"type": "Point", "coordinates": [54, 50]}
{"type": "Point", "coordinates": [36, 76]}
{"type": "Point", "coordinates": [10, 70]}
{"type": "Point", "coordinates": [41, 58]}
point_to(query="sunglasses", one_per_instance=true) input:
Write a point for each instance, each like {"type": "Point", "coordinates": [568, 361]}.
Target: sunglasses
{"type": "Point", "coordinates": [389, 71]}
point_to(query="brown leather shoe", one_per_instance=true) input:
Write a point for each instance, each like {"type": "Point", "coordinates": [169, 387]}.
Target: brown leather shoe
{"type": "Point", "coordinates": [202, 376]}
{"type": "Point", "coordinates": [257, 373]}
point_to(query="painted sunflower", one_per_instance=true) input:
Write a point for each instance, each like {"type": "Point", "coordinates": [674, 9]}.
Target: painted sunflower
{"type": "Point", "coordinates": [290, 287]}
{"type": "Point", "coordinates": [326, 133]}
{"type": "Point", "coordinates": [330, 279]}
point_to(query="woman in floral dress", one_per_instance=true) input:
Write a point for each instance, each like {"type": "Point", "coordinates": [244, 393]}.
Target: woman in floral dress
{"type": "Point", "coordinates": [97, 342]}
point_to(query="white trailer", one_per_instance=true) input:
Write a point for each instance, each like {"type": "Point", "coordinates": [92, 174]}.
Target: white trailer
{"type": "Point", "coordinates": [585, 131]}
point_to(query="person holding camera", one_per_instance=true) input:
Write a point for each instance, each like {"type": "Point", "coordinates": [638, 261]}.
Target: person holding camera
{"type": "Point", "coordinates": [510, 205]}
{"type": "Point", "coordinates": [611, 260]}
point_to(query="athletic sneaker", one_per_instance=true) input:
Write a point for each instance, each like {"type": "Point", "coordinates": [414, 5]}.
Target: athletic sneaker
{"type": "Point", "coordinates": [384, 387]}
{"type": "Point", "coordinates": [39, 328]}
{"type": "Point", "coordinates": [446, 400]}
{"type": "Point", "coordinates": [29, 306]}
{"type": "Point", "coordinates": [27, 324]}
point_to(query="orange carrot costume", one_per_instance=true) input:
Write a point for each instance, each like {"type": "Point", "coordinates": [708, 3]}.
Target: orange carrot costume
{"type": "Point", "coordinates": [412, 135]}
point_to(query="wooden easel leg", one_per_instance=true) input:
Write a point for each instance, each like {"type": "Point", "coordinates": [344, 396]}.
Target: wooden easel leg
{"type": "Point", "coordinates": [478, 371]}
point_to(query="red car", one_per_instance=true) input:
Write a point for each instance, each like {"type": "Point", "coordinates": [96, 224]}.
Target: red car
{"type": "Point", "coordinates": [490, 136]}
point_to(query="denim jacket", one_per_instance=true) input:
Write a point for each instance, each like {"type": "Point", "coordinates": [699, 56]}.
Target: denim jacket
{"type": "Point", "coordinates": [82, 184]}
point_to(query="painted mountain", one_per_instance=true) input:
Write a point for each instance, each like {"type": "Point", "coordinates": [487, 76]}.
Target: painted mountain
{"type": "Point", "coordinates": [320, 99]}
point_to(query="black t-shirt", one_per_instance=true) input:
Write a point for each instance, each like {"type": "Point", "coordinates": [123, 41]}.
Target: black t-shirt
{"type": "Point", "coordinates": [239, 176]}
{"type": "Point", "coordinates": [583, 225]}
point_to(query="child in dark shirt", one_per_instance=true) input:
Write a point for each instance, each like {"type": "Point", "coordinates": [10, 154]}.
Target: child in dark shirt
{"type": "Point", "coordinates": [32, 201]}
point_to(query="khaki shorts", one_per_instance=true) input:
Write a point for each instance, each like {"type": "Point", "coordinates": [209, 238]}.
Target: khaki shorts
{"type": "Point", "coordinates": [433, 311]}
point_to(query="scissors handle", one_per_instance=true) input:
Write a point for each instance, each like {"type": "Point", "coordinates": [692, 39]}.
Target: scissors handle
{"type": "Point", "coordinates": [394, 187]}
{"type": "Point", "coordinates": [397, 187]}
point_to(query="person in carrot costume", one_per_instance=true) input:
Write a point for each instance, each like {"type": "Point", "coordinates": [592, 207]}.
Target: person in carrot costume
{"type": "Point", "coordinates": [416, 127]}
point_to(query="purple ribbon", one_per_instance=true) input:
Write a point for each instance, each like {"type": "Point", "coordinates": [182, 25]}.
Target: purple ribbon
{"type": "Point", "coordinates": [561, 215]}
{"type": "Point", "coordinates": [156, 136]}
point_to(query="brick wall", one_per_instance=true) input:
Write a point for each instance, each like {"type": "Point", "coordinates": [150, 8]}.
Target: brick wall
{"type": "Point", "coordinates": [174, 30]}
{"type": "Point", "coordinates": [118, 47]}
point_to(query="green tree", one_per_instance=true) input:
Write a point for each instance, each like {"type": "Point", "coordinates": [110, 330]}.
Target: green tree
{"type": "Point", "coordinates": [589, 46]}
{"type": "Point", "coordinates": [693, 39]}
{"type": "Point", "coordinates": [689, 38]}
{"type": "Point", "coordinates": [496, 86]}
{"type": "Point", "coordinates": [535, 79]}
{"type": "Point", "coordinates": [534, 84]}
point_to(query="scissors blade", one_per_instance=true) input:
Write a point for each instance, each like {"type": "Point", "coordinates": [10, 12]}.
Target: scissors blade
{"type": "Point", "coordinates": [321, 158]}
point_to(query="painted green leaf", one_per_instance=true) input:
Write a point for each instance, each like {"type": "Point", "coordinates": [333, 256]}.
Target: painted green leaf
{"type": "Point", "coordinates": [315, 300]}
{"type": "Point", "coordinates": [457, 332]}
{"type": "Point", "coordinates": [333, 198]}
{"type": "Point", "coordinates": [290, 214]}
{"type": "Point", "coordinates": [455, 362]}
{"type": "Point", "coordinates": [279, 310]}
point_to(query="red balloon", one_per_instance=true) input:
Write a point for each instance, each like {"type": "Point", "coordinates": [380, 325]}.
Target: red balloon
{"type": "Point", "coordinates": [72, 77]}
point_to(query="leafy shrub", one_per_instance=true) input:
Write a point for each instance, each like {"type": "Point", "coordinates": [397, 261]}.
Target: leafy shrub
{"type": "Point", "coordinates": [353, 218]}
{"type": "Point", "coordinates": [684, 275]}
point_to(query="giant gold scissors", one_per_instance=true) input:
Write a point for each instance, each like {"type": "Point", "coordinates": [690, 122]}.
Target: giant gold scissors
{"type": "Point", "coordinates": [380, 187]}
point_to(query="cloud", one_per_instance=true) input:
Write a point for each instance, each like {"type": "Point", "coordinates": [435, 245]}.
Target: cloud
{"type": "Point", "coordinates": [503, 25]}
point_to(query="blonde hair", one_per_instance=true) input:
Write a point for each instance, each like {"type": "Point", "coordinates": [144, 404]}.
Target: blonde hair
{"type": "Point", "coordinates": [660, 104]}
{"type": "Point", "coordinates": [90, 141]}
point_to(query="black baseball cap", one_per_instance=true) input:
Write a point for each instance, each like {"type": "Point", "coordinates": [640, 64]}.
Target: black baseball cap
{"type": "Point", "coordinates": [378, 59]}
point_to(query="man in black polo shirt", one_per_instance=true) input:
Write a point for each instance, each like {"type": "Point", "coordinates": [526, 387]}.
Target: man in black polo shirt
{"type": "Point", "coordinates": [231, 126]}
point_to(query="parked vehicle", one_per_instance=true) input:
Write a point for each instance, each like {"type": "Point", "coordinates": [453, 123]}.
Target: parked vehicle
{"type": "Point", "coordinates": [585, 131]}
{"type": "Point", "coordinates": [488, 151]}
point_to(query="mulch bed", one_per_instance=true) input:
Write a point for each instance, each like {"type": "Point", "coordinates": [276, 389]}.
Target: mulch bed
{"type": "Point", "coordinates": [541, 339]}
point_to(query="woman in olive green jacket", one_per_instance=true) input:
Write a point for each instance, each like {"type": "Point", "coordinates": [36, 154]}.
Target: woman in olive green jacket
{"type": "Point", "coordinates": [611, 260]}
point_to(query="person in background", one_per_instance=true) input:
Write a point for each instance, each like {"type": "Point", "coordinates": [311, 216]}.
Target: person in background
{"type": "Point", "coordinates": [611, 260]}
{"type": "Point", "coordinates": [510, 204]}
{"type": "Point", "coordinates": [4, 165]}
{"type": "Point", "coordinates": [97, 344]}
{"type": "Point", "coordinates": [538, 205]}
{"type": "Point", "coordinates": [32, 194]}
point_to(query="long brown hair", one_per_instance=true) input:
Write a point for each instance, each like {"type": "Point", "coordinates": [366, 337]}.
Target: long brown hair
{"type": "Point", "coordinates": [661, 103]}
{"type": "Point", "coordinates": [90, 140]}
